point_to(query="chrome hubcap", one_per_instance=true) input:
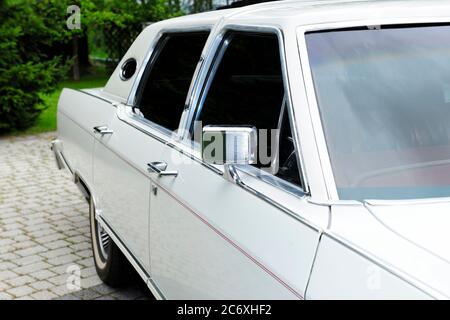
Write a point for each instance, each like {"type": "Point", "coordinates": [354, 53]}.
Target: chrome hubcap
{"type": "Point", "coordinates": [104, 241]}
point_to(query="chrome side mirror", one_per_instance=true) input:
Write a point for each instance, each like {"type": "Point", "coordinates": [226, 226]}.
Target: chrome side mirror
{"type": "Point", "coordinates": [224, 145]}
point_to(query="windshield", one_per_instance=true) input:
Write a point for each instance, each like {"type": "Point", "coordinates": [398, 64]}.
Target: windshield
{"type": "Point", "coordinates": [384, 99]}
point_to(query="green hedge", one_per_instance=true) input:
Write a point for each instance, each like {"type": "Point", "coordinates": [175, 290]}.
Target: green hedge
{"type": "Point", "coordinates": [28, 65]}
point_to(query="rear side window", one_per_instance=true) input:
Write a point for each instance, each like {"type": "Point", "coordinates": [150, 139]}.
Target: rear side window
{"type": "Point", "coordinates": [165, 85]}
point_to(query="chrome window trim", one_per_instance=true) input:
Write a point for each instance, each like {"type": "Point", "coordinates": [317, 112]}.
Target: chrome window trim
{"type": "Point", "coordinates": [206, 75]}
{"type": "Point", "coordinates": [201, 76]}
{"type": "Point", "coordinates": [272, 180]}
{"type": "Point", "coordinates": [123, 114]}
{"type": "Point", "coordinates": [313, 105]}
{"type": "Point", "coordinates": [110, 101]}
{"type": "Point", "coordinates": [132, 97]}
{"type": "Point", "coordinates": [154, 44]}
{"type": "Point", "coordinates": [144, 122]}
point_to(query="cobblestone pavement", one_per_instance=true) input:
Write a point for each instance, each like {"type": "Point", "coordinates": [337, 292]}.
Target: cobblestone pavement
{"type": "Point", "coordinates": [44, 229]}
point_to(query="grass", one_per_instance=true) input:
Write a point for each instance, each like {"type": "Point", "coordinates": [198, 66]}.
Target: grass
{"type": "Point", "coordinates": [47, 119]}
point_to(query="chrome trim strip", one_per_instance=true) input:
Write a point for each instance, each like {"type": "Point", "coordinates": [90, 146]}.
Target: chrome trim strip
{"type": "Point", "coordinates": [123, 115]}
{"type": "Point", "coordinates": [112, 102]}
{"type": "Point", "coordinates": [148, 123]}
{"type": "Point", "coordinates": [54, 147]}
{"type": "Point", "coordinates": [201, 76]}
{"type": "Point", "coordinates": [279, 206]}
{"type": "Point", "coordinates": [271, 273]}
{"type": "Point", "coordinates": [155, 290]}
{"type": "Point", "coordinates": [329, 203]}
{"type": "Point", "coordinates": [66, 162]}
{"type": "Point", "coordinates": [128, 254]}
{"type": "Point", "coordinates": [133, 260]}
{"type": "Point", "coordinates": [273, 181]}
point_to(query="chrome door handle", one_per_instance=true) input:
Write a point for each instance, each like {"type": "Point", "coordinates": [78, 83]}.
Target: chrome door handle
{"type": "Point", "coordinates": [160, 167]}
{"type": "Point", "coordinates": [102, 130]}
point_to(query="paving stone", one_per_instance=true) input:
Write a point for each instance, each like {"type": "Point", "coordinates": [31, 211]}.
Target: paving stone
{"type": "Point", "coordinates": [63, 260]}
{"type": "Point", "coordinates": [32, 267]}
{"type": "Point", "coordinates": [91, 282]}
{"type": "Point", "coordinates": [41, 285]}
{"type": "Point", "coordinates": [88, 272]}
{"type": "Point", "coordinates": [7, 266]}
{"type": "Point", "coordinates": [5, 296]}
{"type": "Point", "coordinates": [20, 291]}
{"type": "Point", "coordinates": [87, 294]}
{"type": "Point", "coordinates": [85, 253]}
{"type": "Point", "coordinates": [57, 244]}
{"type": "Point", "coordinates": [30, 251]}
{"type": "Point", "coordinates": [56, 253]}
{"type": "Point", "coordinates": [60, 290]}
{"type": "Point", "coordinates": [25, 298]}
{"type": "Point", "coordinates": [4, 286]}
{"type": "Point", "coordinates": [88, 262]}
{"type": "Point", "coordinates": [59, 280]}
{"type": "Point", "coordinates": [7, 274]}
{"type": "Point", "coordinates": [104, 289]}
{"type": "Point", "coordinates": [44, 295]}
{"type": "Point", "coordinates": [19, 281]}
{"type": "Point", "coordinates": [42, 274]}
{"type": "Point", "coordinates": [28, 260]}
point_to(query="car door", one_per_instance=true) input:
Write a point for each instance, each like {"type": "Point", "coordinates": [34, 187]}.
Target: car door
{"type": "Point", "coordinates": [129, 139]}
{"type": "Point", "coordinates": [211, 238]}
{"type": "Point", "coordinates": [121, 182]}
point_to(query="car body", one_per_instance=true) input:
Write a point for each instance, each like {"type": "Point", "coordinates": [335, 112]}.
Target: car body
{"type": "Point", "coordinates": [190, 230]}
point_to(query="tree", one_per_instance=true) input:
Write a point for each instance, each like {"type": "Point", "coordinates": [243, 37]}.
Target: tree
{"type": "Point", "coordinates": [28, 65]}
{"type": "Point", "coordinates": [202, 5]}
{"type": "Point", "coordinates": [121, 21]}
{"type": "Point", "coordinates": [37, 48]}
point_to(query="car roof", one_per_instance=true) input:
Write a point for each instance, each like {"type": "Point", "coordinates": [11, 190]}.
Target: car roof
{"type": "Point", "coordinates": [287, 15]}
{"type": "Point", "coordinates": [305, 12]}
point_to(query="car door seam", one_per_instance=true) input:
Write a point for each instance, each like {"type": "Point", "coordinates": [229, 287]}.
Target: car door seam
{"type": "Point", "coordinates": [231, 242]}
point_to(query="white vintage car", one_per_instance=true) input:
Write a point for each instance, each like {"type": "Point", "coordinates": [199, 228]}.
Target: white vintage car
{"type": "Point", "coordinates": [354, 204]}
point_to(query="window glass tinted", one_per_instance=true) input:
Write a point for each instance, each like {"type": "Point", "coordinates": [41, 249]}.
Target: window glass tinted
{"type": "Point", "coordinates": [166, 82]}
{"type": "Point", "coordinates": [248, 86]}
{"type": "Point", "coordinates": [384, 98]}
{"type": "Point", "coordinates": [247, 89]}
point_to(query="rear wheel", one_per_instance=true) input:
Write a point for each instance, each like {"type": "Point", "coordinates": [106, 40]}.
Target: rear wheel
{"type": "Point", "coordinates": [111, 265]}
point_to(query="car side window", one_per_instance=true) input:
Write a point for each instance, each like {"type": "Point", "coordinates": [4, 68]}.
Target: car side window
{"type": "Point", "coordinates": [246, 88]}
{"type": "Point", "coordinates": [167, 78]}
